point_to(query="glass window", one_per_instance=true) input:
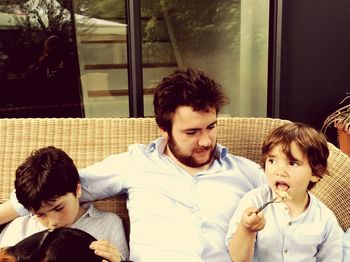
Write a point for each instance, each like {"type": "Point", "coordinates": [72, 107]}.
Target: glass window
{"type": "Point", "coordinates": [38, 66]}
{"type": "Point", "coordinates": [226, 38]}
{"type": "Point", "coordinates": [101, 40]}
{"type": "Point", "coordinates": [62, 58]}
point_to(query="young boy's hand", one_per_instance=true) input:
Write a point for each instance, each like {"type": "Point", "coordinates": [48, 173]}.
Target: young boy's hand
{"type": "Point", "coordinates": [107, 250]}
{"type": "Point", "coordinates": [251, 221]}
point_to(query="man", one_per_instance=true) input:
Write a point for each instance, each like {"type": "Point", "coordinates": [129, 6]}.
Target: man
{"type": "Point", "coordinates": [183, 187]}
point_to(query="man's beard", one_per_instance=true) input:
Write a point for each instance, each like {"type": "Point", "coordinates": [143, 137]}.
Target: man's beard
{"type": "Point", "coordinates": [188, 160]}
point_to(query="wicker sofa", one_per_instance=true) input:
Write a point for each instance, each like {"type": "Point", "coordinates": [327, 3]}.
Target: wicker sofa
{"type": "Point", "coordinates": [89, 140]}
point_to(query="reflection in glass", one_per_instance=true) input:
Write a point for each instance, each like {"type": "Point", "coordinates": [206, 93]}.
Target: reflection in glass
{"type": "Point", "coordinates": [37, 68]}
{"type": "Point", "coordinates": [226, 38]}
{"type": "Point", "coordinates": [101, 41]}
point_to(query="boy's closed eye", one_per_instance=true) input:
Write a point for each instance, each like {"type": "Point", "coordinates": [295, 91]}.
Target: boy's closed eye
{"type": "Point", "coordinates": [59, 208]}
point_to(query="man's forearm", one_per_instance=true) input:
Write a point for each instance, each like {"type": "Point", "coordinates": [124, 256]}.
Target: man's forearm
{"type": "Point", "coordinates": [7, 212]}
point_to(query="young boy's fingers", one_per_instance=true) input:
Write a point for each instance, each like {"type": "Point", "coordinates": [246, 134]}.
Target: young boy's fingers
{"type": "Point", "coordinates": [106, 250]}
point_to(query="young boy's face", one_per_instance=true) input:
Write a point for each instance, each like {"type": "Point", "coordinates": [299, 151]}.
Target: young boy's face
{"type": "Point", "coordinates": [61, 212]}
{"type": "Point", "coordinates": [292, 175]}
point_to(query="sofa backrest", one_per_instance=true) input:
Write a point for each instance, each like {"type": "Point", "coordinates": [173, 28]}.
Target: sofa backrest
{"type": "Point", "coordinates": [88, 140]}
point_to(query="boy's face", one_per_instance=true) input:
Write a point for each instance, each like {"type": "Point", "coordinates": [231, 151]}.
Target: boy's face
{"type": "Point", "coordinates": [61, 212]}
{"type": "Point", "coordinates": [292, 175]}
{"type": "Point", "coordinates": [193, 137]}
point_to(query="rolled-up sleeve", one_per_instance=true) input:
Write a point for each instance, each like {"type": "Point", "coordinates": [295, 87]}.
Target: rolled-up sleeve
{"type": "Point", "coordinates": [20, 209]}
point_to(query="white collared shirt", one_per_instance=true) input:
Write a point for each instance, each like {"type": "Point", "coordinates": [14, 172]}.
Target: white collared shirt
{"type": "Point", "coordinates": [314, 235]}
{"type": "Point", "coordinates": [99, 224]}
{"type": "Point", "coordinates": [346, 246]}
{"type": "Point", "coordinates": [174, 216]}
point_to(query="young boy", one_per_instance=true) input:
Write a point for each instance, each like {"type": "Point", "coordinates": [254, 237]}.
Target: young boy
{"type": "Point", "coordinates": [47, 183]}
{"type": "Point", "coordinates": [301, 228]}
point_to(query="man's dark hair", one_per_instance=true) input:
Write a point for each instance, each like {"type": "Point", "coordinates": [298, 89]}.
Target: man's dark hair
{"type": "Point", "coordinates": [48, 173]}
{"type": "Point", "coordinates": [186, 87]}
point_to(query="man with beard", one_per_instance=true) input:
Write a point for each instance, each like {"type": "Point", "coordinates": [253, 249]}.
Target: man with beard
{"type": "Point", "coordinates": [183, 187]}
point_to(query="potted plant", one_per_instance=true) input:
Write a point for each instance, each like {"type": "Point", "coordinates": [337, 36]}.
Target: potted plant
{"type": "Point", "coordinates": [340, 119]}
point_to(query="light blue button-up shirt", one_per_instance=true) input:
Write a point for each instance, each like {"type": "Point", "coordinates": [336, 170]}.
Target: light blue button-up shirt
{"type": "Point", "coordinates": [346, 246]}
{"type": "Point", "coordinates": [314, 235]}
{"type": "Point", "coordinates": [174, 216]}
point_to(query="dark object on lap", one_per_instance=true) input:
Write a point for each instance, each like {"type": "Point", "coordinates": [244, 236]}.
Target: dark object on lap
{"type": "Point", "coordinates": [59, 245]}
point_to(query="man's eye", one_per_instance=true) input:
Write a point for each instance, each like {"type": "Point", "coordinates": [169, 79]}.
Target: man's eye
{"type": "Point", "coordinates": [190, 133]}
{"type": "Point", "coordinates": [212, 126]}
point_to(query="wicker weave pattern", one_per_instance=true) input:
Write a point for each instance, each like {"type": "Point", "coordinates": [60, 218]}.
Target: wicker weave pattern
{"type": "Point", "coordinates": [89, 140]}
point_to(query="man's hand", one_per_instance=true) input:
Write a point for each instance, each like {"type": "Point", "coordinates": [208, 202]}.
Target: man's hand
{"type": "Point", "coordinates": [251, 221]}
{"type": "Point", "coordinates": [107, 250]}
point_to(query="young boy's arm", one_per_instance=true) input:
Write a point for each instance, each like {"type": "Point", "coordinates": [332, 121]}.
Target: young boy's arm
{"type": "Point", "coordinates": [7, 212]}
{"type": "Point", "coordinates": [241, 246]}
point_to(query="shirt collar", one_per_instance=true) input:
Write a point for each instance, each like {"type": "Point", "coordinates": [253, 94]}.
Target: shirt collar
{"type": "Point", "coordinates": [91, 211]}
{"type": "Point", "coordinates": [159, 144]}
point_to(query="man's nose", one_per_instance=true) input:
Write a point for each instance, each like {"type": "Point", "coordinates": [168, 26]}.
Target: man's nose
{"type": "Point", "coordinates": [204, 139]}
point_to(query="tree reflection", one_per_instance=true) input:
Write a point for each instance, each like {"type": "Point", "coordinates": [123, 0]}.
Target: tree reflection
{"type": "Point", "coordinates": [40, 78]}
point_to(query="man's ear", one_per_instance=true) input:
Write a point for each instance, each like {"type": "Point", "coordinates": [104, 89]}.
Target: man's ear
{"type": "Point", "coordinates": [79, 190]}
{"type": "Point", "coordinates": [314, 178]}
{"type": "Point", "coordinates": [164, 134]}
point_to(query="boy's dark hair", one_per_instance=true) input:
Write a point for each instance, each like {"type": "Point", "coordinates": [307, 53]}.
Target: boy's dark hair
{"type": "Point", "coordinates": [312, 143]}
{"type": "Point", "coordinates": [186, 87]}
{"type": "Point", "coordinates": [48, 173]}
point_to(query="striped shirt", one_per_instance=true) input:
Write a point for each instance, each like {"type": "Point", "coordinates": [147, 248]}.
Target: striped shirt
{"type": "Point", "coordinates": [99, 224]}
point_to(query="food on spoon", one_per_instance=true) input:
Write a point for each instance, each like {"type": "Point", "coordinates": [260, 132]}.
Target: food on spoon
{"type": "Point", "coordinates": [281, 195]}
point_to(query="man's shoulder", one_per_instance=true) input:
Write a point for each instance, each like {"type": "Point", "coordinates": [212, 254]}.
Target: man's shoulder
{"type": "Point", "coordinates": [244, 163]}
{"type": "Point", "coordinates": [259, 195]}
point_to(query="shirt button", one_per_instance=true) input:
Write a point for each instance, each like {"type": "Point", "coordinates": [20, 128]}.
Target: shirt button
{"type": "Point", "coordinates": [289, 223]}
{"type": "Point", "coordinates": [204, 230]}
{"type": "Point", "coordinates": [194, 180]}
{"type": "Point", "coordinates": [285, 251]}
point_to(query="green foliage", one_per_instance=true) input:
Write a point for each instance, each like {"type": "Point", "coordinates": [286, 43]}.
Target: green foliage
{"type": "Point", "coordinates": [47, 18]}
{"type": "Point", "coordinates": [112, 10]}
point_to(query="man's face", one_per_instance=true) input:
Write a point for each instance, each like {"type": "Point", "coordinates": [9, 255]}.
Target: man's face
{"type": "Point", "coordinates": [192, 139]}
{"type": "Point", "coordinates": [60, 212]}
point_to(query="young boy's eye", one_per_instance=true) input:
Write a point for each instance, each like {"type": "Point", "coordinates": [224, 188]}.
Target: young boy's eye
{"type": "Point", "coordinates": [293, 163]}
{"type": "Point", "coordinates": [271, 160]}
{"type": "Point", "coordinates": [59, 208]}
